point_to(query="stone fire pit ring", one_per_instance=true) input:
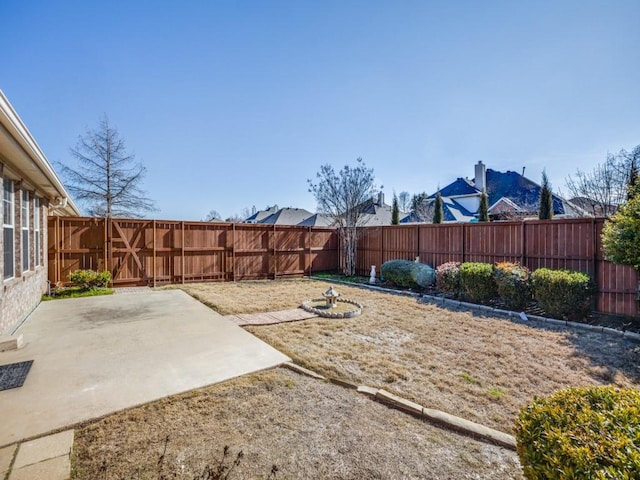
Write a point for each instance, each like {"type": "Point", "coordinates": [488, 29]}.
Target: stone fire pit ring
{"type": "Point", "coordinates": [327, 313]}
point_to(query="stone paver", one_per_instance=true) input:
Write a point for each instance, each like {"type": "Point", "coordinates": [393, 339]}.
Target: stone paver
{"type": "Point", "coordinates": [53, 469]}
{"type": "Point", "coordinates": [270, 318]}
{"type": "Point", "coordinates": [44, 448]}
{"type": "Point", "coordinates": [44, 458]}
{"type": "Point", "coordinates": [6, 455]}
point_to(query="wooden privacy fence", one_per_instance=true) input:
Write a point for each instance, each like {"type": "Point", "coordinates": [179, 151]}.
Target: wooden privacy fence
{"type": "Point", "coordinates": [573, 244]}
{"type": "Point", "coordinates": [155, 252]}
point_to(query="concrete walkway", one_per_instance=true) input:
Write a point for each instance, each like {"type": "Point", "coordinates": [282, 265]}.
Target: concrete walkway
{"type": "Point", "coordinates": [94, 356]}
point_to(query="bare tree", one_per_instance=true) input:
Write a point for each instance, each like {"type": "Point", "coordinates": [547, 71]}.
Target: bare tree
{"type": "Point", "coordinates": [106, 179]}
{"type": "Point", "coordinates": [602, 190]}
{"type": "Point", "coordinates": [404, 201]}
{"type": "Point", "coordinates": [212, 216]}
{"type": "Point", "coordinates": [341, 196]}
{"type": "Point", "coordinates": [423, 207]}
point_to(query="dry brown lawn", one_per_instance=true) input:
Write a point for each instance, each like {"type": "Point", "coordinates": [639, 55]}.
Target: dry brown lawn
{"type": "Point", "coordinates": [306, 427]}
{"type": "Point", "coordinates": [481, 368]}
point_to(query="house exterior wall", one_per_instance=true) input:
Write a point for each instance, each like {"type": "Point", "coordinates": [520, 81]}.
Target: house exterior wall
{"type": "Point", "coordinates": [22, 292]}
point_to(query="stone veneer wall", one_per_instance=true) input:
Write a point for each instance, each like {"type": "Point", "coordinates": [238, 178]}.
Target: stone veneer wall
{"type": "Point", "coordinates": [20, 296]}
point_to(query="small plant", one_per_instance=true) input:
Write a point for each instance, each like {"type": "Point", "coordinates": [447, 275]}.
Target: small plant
{"type": "Point", "coordinates": [563, 293]}
{"type": "Point", "coordinates": [467, 377]}
{"type": "Point", "coordinates": [87, 279]}
{"type": "Point", "coordinates": [513, 282]}
{"type": "Point", "coordinates": [476, 282]}
{"type": "Point", "coordinates": [448, 278]}
{"type": "Point", "coordinates": [496, 393]}
{"type": "Point", "coordinates": [581, 433]}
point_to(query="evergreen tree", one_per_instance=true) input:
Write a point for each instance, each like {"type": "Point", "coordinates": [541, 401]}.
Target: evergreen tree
{"type": "Point", "coordinates": [437, 211]}
{"type": "Point", "coordinates": [546, 199]}
{"type": "Point", "coordinates": [395, 211]}
{"type": "Point", "coordinates": [621, 235]}
{"type": "Point", "coordinates": [483, 209]}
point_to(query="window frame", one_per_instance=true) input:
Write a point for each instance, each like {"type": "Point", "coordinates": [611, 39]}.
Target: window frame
{"type": "Point", "coordinates": [8, 212]}
{"type": "Point", "coordinates": [25, 234]}
{"type": "Point", "coordinates": [37, 240]}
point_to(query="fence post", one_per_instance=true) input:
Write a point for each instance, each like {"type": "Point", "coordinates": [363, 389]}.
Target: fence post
{"type": "Point", "coordinates": [154, 254]}
{"type": "Point", "coordinates": [463, 243]}
{"type": "Point", "coordinates": [523, 244]}
{"type": "Point", "coordinates": [182, 252]}
{"type": "Point", "coordinates": [275, 254]}
{"type": "Point", "coordinates": [309, 254]}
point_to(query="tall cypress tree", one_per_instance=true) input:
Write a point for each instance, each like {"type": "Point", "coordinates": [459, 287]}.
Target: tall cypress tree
{"type": "Point", "coordinates": [483, 209]}
{"type": "Point", "coordinates": [437, 211]}
{"type": "Point", "coordinates": [546, 199]}
{"type": "Point", "coordinates": [395, 211]}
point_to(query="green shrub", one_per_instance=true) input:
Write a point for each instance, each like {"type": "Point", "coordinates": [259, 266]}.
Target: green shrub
{"type": "Point", "coordinates": [448, 278]}
{"type": "Point", "coordinates": [87, 279]}
{"type": "Point", "coordinates": [563, 293]}
{"type": "Point", "coordinates": [581, 433]}
{"type": "Point", "coordinates": [476, 282]}
{"type": "Point", "coordinates": [513, 283]}
{"type": "Point", "coordinates": [408, 274]}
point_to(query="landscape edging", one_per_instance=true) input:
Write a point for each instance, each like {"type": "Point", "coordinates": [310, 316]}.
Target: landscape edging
{"type": "Point", "coordinates": [449, 421]}
{"type": "Point", "coordinates": [509, 314]}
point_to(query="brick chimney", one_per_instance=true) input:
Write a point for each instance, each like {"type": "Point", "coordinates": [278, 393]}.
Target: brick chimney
{"type": "Point", "coordinates": [481, 176]}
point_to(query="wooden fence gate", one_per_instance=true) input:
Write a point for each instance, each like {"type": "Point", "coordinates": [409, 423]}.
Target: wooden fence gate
{"type": "Point", "coordinates": [156, 252]}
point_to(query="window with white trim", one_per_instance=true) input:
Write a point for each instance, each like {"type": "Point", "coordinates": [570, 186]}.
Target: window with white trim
{"type": "Point", "coordinates": [36, 232]}
{"type": "Point", "coordinates": [8, 222]}
{"type": "Point", "coordinates": [24, 223]}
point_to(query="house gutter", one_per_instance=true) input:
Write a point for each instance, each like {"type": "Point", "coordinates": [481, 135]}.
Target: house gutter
{"type": "Point", "coordinates": [14, 126]}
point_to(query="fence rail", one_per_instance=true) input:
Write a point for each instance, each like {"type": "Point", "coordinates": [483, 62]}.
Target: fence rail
{"type": "Point", "coordinates": [156, 252]}
{"type": "Point", "coordinates": [573, 244]}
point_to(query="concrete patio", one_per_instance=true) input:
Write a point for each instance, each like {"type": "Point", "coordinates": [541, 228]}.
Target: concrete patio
{"type": "Point", "coordinates": [94, 356]}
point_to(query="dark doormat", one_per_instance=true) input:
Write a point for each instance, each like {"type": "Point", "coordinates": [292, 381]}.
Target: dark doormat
{"type": "Point", "coordinates": [14, 374]}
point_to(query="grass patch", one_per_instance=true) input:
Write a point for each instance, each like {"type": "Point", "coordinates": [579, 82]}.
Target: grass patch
{"type": "Point", "coordinates": [496, 393]}
{"type": "Point", "coordinates": [467, 377]}
{"type": "Point", "coordinates": [76, 292]}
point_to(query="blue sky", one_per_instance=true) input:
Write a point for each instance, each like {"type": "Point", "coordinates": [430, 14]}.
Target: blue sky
{"type": "Point", "coordinates": [231, 104]}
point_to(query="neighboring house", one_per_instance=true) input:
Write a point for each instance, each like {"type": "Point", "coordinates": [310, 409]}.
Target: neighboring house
{"type": "Point", "coordinates": [511, 196]}
{"type": "Point", "coordinates": [31, 191]}
{"type": "Point", "coordinates": [594, 208]}
{"type": "Point", "coordinates": [376, 213]}
{"type": "Point", "coordinates": [259, 215]}
{"type": "Point", "coordinates": [317, 220]}
{"type": "Point", "coordinates": [288, 216]}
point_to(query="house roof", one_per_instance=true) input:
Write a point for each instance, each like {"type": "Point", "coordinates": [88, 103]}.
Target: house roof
{"type": "Point", "coordinates": [461, 186]}
{"type": "Point", "coordinates": [23, 158]}
{"type": "Point", "coordinates": [260, 215]}
{"type": "Point", "coordinates": [287, 216]}
{"type": "Point", "coordinates": [317, 220]}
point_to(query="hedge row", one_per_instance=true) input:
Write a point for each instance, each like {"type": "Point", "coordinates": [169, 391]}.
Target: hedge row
{"type": "Point", "coordinates": [560, 293]}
